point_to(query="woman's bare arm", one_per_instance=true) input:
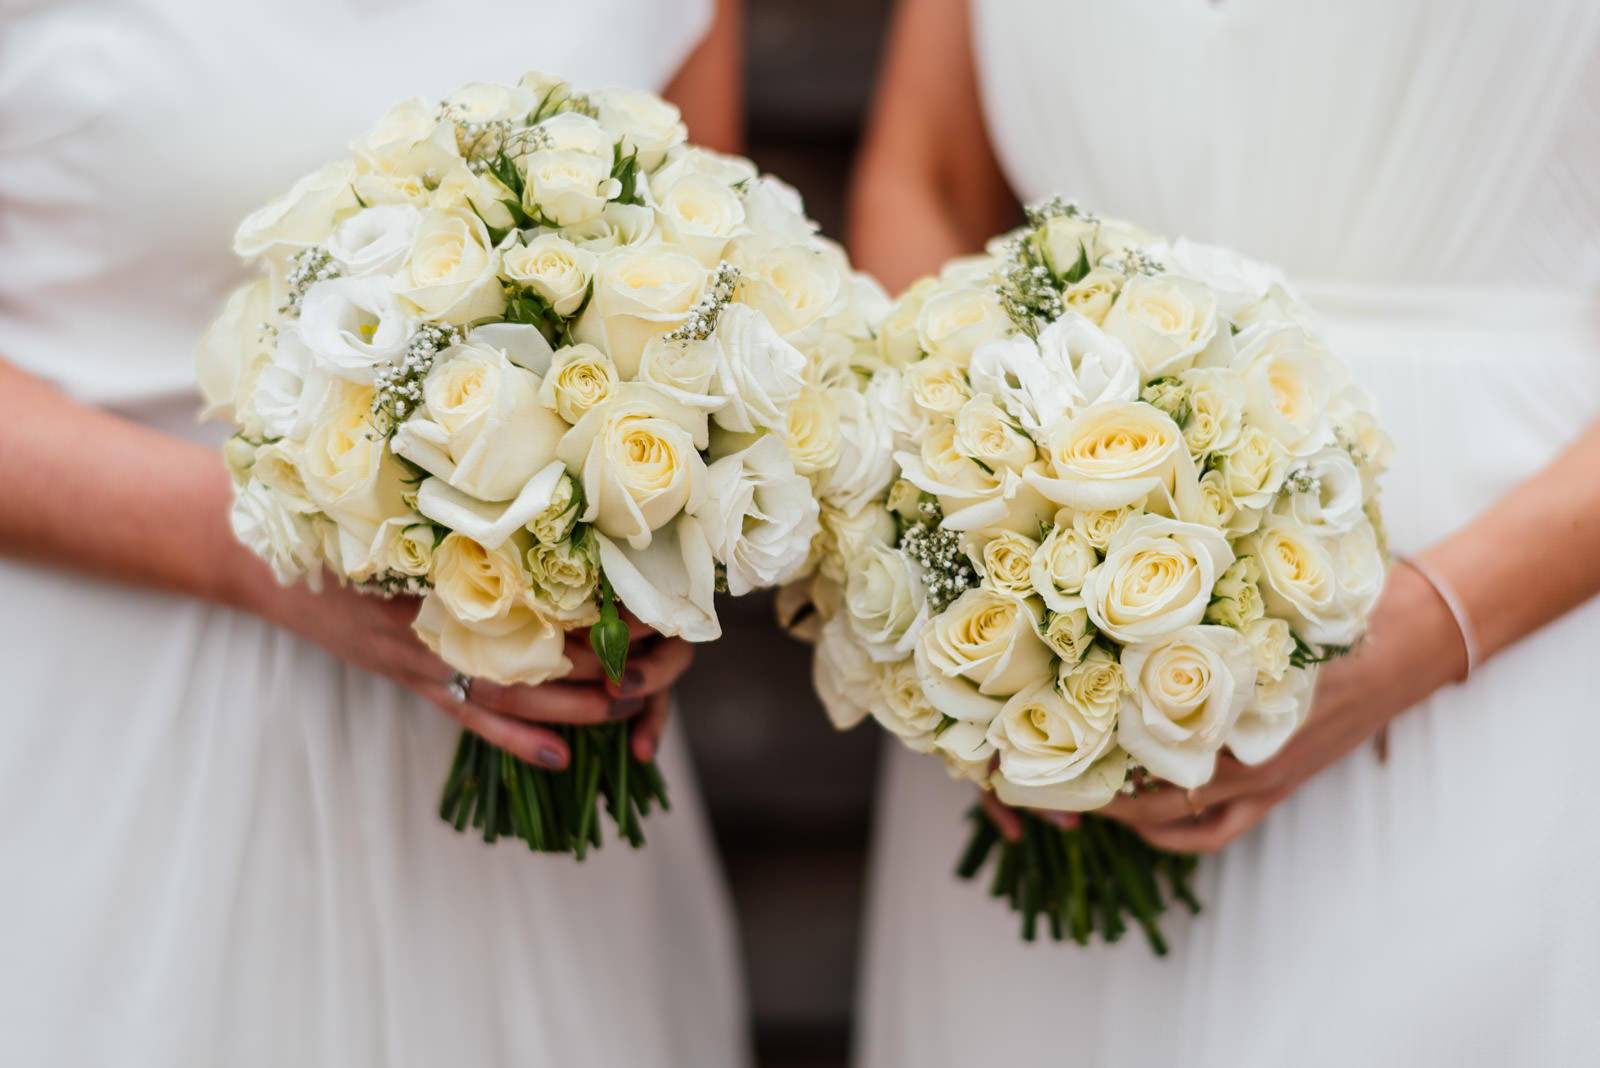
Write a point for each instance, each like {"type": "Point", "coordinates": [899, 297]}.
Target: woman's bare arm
{"type": "Point", "coordinates": [926, 186]}
{"type": "Point", "coordinates": [709, 87]}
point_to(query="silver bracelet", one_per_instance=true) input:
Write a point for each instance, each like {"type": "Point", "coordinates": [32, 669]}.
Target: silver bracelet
{"type": "Point", "coordinates": [1458, 612]}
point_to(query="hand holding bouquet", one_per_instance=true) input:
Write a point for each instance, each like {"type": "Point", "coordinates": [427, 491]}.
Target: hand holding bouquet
{"type": "Point", "coordinates": [529, 356]}
{"type": "Point", "coordinates": [1136, 507]}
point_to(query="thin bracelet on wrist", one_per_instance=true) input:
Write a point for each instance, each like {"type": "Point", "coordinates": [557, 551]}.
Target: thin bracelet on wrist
{"type": "Point", "coordinates": [1458, 611]}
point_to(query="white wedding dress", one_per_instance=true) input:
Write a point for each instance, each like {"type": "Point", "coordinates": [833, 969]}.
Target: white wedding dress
{"type": "Point", "coordinates": [218, 845]}
{"type": "Point", "coordinates": [1430, 173]}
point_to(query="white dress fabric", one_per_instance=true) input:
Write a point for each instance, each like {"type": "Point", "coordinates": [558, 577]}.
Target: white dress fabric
{"type": "Point", "coordinates": [220, 846]}
{"type": "Point", "coordinates": [1428, 173]}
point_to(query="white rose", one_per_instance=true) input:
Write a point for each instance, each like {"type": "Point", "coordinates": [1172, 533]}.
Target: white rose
{"type": "Point", "coordinates": [1156, 578]}
{"type": "Point", "coordinates": [1235, 282]}
{"type": "Point", "coordinates": [796, 288]}
{"type": "Point", "coordinates": [886, 601]}
{"type": "Point", "coordinates": [955, 322]}
{"type": "Point", "coordinates": [1271, 644]}
{"type": "Point", "coordinates": [983, 646]}
{"type": "Point", "coordinates": [1067, 241]}
{"type": "Point", "coordinates": [642, 122]}
{"type": "Point", "coordinates": [1098, 527]}
{"type": "Point", "coordinates": [346, 471]}
{"type": "Point", "coordinates": [811, 430]}
{"type": "Point", "coordinates": [670, 584]}
{"type": "Point", "coordinates": [1325, 492]}
{"type": "Point", "coordinates": [573, 131]}
{"type": "Point", "coordinates": [1095, 683]}
{"type": "Point", "coordinates": [1059, 567]}
{"type": "Point", "coordinates": [231, 356]}
{"type": "Point", "coordinates": [758, 372]}
{"type": "Point", "coordinates": [759, 516]}
{"type": "Point", "coordinates": [1068, 634]}
{"type": "Point", "coordinates": [300, 218]}
{"type": "Point", "coordinates": [481, 427]}
{"type": "Point", "coordinates": [728, 170]}
{"type": "Point", "coordinates": [982, 433]}
{"type": "Point", "coordinates": [1363, 569]}
{"type": "Point", "coordinates": [937, 386]}
{"type": "Point", "coordinates": [845, 678]}
{"type": "Point", "coordinates": [638, 460]}
{"type": "Point", "coordinates": [617, 226]}
{"type": "Point", "coordinates": [1215, 506]}
{"type": "Point", "coordinates": [1236, 600]}
{"type": "Point", "coordinates": [351, 326]}
{"type": "Point", "coordinates": [898, 344]}
{"type": "Point", "coordinates": [285, 538]}
{"type": "Point", "coordinates": [1216, 400]}
{"type": "Point", "coordinates": [276, 465]}
{"type": "Point", "coordinates": [1093, 295]}
{"type": "Point", "coordinates": [1300, 581]}
{"type": "Point", "coordinates": [701, 214]}
{"type": "Point", "coordinates": [1254, 469]}
{"type": "Point", "coordinates": [452, 272]}
{"type": "Point", "coordinates": [1043, 739]}
{"type": "Point", "coordinates": [1276, 710]}
{"type": "Point", "coordinates": [639, 293]}
{"type": "Point", "coordinates": [410, 551]}
{"type": "Point", "coordinates": [580, 377]}
{"type": "Point", "coordinates": [683, 370]}
{"type": "Point", "coordinates": [1005, 561]}
{"type": "Point", "coordinates": [408, 141]}
{"type": "Point", "coordinates": [1188, 692]}
{"type": "Point", "coordinates": [486, 102]}
{"type": "Point", "coordinates": [567, 187]}
{"type": "Point", "coordinates": [374, 240]}
{"type": "Point", "coordinates": [903, 709]}
{"type": "Point", "coordinates": [866, 463]}
{"type": "Point", "coordinates": [554, 268]}
{"type": "Point", "coordinates": [565, 575]}
{"type": "Point", "coordinates": [1291, 383]}
{"type": "Point", "coordinates": [1112, 455]}
{"type": "Point", "coordinates": [481, 620]}
{"type": "Point", "coordinates": [1165, 322]}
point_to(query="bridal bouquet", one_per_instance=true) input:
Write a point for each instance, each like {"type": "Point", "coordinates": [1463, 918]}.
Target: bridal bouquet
{"type": "Point", "coordinates": [1135, 509]}
{"type": "Point", "coordinates": [530, 357]}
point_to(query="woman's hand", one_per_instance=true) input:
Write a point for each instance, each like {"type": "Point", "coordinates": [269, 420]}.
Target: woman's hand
{"type": "Point", "coordinates": [1412, 648]}
{"type": "Point", "coordinates": [376, 635]}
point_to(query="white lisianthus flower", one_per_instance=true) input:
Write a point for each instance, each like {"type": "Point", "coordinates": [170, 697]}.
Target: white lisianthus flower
{"type": "Point", "coordinates": [1325, 492]}
{"type": "Point", "coordinates": [1156, 578]}
{"type": "Point", "coordinates": [1291, 383]}
{"type": "Point", "coordinates": [641, 122]}
{"type": "Point", "coordinates": [1112, 455]}
{"type": "Point", "coordinates": [987, 640]}
{"type": "Point", "coordinates": [639, 293]}
{"type": "Point", "coordinates": [481, 427]}
{"type": "Point", "coordinates": [374, 240]}
{"type": "Point", "coordinates": [1059, 566]}
{"type": "Point", "coordinates": [554, 268]}
{"type": "Point", "coordinates": [758, 372]}
{"type": "Point", "coordinates": [580, 378]}
{"type": "Point", "coordinates": [300, 218]}
{"type": "Point", "coordinates": [759, 516]}
{"type": "Point", "coordinates": [844, 676]}
{"type": "Point", "coordinates": [286, 538]}
{"type": "Point", "coordinates": [1165, 322]}
{"type": "Point", "coordinates": [886, 601]}
{"type": "Point", "coordinates": [1276, 710]}
{"type": "Point", "coordinates": [955, 322]}
{"type": "Point", "coordinates": [866, 463]}
{"type": "Point", "coordinates": [567, 187]}
{"type": "Point", "coordinates": [452, 273]}
{"type": "Point", "coordinates": [1044, 740]}
{"type": "Point", "coordinates": [1035, 391]}
{"type": "Point", "coordinates": [702, 214]}
{"type": "Point", "coordinates": [233, 352]}
{"type": "Point", "coordinates": [351, 326]}
{"type": "Point", "coordinates": [1188, 692]}
{"type": "Point", "coordinates": [481, 619]}
{"type": "Point", "coordinates": [638, 460]}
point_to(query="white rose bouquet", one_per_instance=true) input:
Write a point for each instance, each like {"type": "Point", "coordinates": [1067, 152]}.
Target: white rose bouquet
{"type": "Point", "coordinates": [529, 356]}
{"type": "Point", "coordinates": [1135, 509]}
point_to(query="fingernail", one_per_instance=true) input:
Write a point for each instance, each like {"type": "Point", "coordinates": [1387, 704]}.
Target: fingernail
{"type": "Point", "coordinates": [632, 680]}
{"type": "Point", "coordinates": [626, 707]}
{"type": "Point", "coordinates": [550, 757]}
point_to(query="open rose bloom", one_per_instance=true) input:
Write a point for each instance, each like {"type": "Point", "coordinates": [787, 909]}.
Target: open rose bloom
{"type": "Point", "coordinates": [527, 355]}
{"type": "Point", "coordinates": [1133, 507]}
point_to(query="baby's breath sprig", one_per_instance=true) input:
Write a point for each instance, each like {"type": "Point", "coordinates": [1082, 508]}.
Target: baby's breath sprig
{"type": "Point", "coordinates": [391, 584]}
{"type": "Point", "coordinates": [1301, 480]}
{"type": "Point", "coordinates": [397, 389]}
{"type": "Point", "coordinates": [702, 320]}
{"type": "Point", "coordinates": [308, 267]}
{"type": "Point", "coordinates": [1041, 213]}
{"type": "Point", "coordinates": [1132, 261]}
{"type": "Point", "coordinates": [948, 571]}
{"type": "Point", "coordinates": [1028, 291]}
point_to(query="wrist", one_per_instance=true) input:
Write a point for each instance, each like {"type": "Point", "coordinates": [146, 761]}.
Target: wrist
{"type": "Point", "coordinates": [1418, 624]}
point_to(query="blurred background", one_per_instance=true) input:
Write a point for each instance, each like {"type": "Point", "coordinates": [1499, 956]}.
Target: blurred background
{"type": "Point", "coordinates": [789, 797]}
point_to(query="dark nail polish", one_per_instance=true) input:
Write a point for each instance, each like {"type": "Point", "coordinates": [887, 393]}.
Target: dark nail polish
{"type": "Point", "coordinates": [632, 680]}
{"type": "Point", "coordinates": [554, 759]}
{"type": "Point", "coordinates": [626, 707]}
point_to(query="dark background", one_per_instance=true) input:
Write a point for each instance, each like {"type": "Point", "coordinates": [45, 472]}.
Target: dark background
{"type": "Point", "coordinates": [789, 797]}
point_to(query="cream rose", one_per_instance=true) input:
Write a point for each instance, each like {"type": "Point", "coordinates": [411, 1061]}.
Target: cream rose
{"type": "Point", "coordinates": [554, 525]}
{"type": "Point", "coordinates": [938, 386]}
{"type": "Point", "coordinates": [1068, 634]}
{"type": "Point", "coordinates": [903, 709]}
{"type": "Point", "coordinates": [1276, 710]}
{"type": "Point", "coordinates": [567, 187]}
{"type": "Point", "coordinates": [702, 214]}
{"type": "Point", "coordinates": [866, 463]}
{"type": "Point", "coordinates": [452, 272]}
{"type": "Point", "coordinates": [564, 576]}
{"type": "Point", "coordinates": [796, 288]}
{"type": "Point", "coordinates": [1005, 561]}
{"type": "Point", "coordinates": [639, 293]}
{"type": "Point", "coordinates": [1156, 578]}
{"type": "Point", "coordinates": [408, 142]}
{"type": "Point", "coordinates": [233, 353]}
{"type": "Point", "coordinates": [987, 639]}
{"type": "Point", "coordinates": [683, 370]}
{"type": "Point", "coordinates": [1236, 600]}
{"type": "Point", "coordinates": [1044, 739]}
{"type": "Point", "coordinates": [554, 268]}
{"type": "Point", "coordinates": [345, 469]}
{"type": "Point", "coordinates": [1059, 566]}
{"type": "Point", "coordinates": [1165, 322]}
{"type": "Point", "coordinates": [1216, 400]}
{"type": "Point", "coordinates": [480, 619]}
{"type": "Point", "coordinates": [1271, 644]}
{"type": "Point", "coordinates": [1110, 456]}
{"type": "Point", "coordinates": [844, 677]}
{"type": "Point", "coordinates": [1291, 383]}
{"type": "Point", "coordinates": [300, 218]}
{"type": "Point", "coordinates": [642, 122]}
{"type": "Point", "coordinates": [811, 429]}
{"type": "Point", "coordinates": [1098, 527]}
{"type": "Point", "coordinates": [486, 102]}
{"type": "Point", "coordinates": [1188, 692]}
{"type": "Point", "coordinates": [759, 516]}
{"type": "Point", "coordinates": [955, 322]}
{"type": "Point", "coordinates": [886, 601]}
{"type": "Point", "coordinates": [1214, 506]}
{"type": "Point", "coordinates": [898, 343]}
{"type": "Point", "coordinates": [1300, 582]}
{"type": "Point", "coordinates": [581, 377]}
{"type": "Point", "coordinates": [638, 460]}
{"type": "Point", "coordinates": [1096, 682]}
{"type": "Point", "coordinates": [1093, 295]}
{"type": "Point", "coordinates": [1254, 469]}
{"type": "Point", "coordinates": [984, 434]}
{"type": "Point", "coordinates": [481, 427]}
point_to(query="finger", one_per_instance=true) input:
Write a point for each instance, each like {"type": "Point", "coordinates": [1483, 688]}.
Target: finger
{"type": "Point", "coordinates": [586, 666]}
{"type": "Point", "coordinates": [1215, 831]}
{"type": "Point", "coordinates": [636, 629]}
{"type": "Point", "coordinates": [1064, 820]}
{"type": "Point", "coordinates": [1166, 805]}
{"type": "Point", "coordinates": [1007, 820]}
{"type": "Point", "coordinates": [537, 746]}
{"type": "Point", "coordinates": [655, 671]}
{"type": "Point", "coordinates": [554, 702]}
{"type": "Point", "coordinates": [646, 737]}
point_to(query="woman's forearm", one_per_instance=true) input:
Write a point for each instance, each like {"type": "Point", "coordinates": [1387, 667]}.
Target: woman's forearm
{"type": "Point", "coordinates": [86, 491]}
{"type": "Point", "coordinates": [1532, 557]}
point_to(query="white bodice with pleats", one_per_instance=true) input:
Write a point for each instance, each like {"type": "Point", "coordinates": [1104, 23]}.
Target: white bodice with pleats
{"type": "Point", "coordinates": [220, 846]}
{"type": "Point", "coordinates": [1429, 175]}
